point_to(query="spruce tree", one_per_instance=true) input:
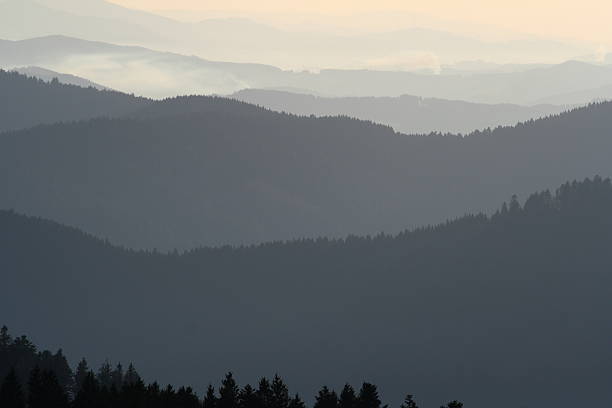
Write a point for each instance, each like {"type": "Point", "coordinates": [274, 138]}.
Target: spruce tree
{"type": "Point", "coordinates": [247, 397]}
{"type": "Point", "coordinates": [117, 377]}
{"type": "Point", "coordinates": [348, 399]}
{"type": "Point", "coordinates": [326, 399]}
{"type": "Point", "coordinates": [409, 402]}
{"type": "Point", "coordinates": [104, 375]}
{"type": "Point", "coordinates": [210, 399]}
{"type": "Point", "coordinates": [35, 389]}
{"type": "Point", "coordinates": [368, 396]}
{"type": "Point", "coordinates": [5, 338]}
{"type": "Point", "coordinates": [264, 393]}
{"type": "Point", "coordinates": [54, 395]}
{"type": "Point", "coordinates": [131, 376]}
{"type": "Point", "coordinates": [228, 393]}
{"type": "Point", "coordinates": [79, 376]}
{"type": "Point", "coordinates": [296, 402]}
{"type": "Point", "coordinates": [88, 395]}
{"type": "Point", "coordinates": [280, 393]}
{"type": "Point", "coordinates": [11, 394]}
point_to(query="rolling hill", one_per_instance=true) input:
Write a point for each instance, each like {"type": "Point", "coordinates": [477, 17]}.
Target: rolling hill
{"type": "Point", "coordinates": [26, 101]}
{"type": "Point", "coordinates": [469, 309]}
{"type": "Point", "coordinates": [206, 170]}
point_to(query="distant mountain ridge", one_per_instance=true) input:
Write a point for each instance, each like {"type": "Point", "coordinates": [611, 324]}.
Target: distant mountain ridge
{"type": "Point", "coordinates": [160, 74]}
{"type": "Point", "coordinates": [240, 40]}
{"type": "Point", "coordinates": [406, 114]}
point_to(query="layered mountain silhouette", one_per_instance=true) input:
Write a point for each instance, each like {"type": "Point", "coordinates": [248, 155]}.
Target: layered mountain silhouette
{"type": "Point", "coordinates": [241, 40]}
{"type": "Point", "coordinates": [160, 74]}
{"type": "Point", "coordinates": [29, 102]}
{"type": "Point", "coordinates": [406, 114]}
{"type": "Point", "coordinates": [471, 308]}
{"type": "Point", "coordinates": [206, 170]}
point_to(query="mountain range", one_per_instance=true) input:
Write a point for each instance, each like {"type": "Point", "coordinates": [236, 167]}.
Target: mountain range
{"type": "Point", "coordinates": [161, 74]}
{"type": "Point", "coordinates": [195, 170]}
{"type": "Point", "coordinates": [241, 40]}
{"type": "Point", "coordinates": [44, 103]}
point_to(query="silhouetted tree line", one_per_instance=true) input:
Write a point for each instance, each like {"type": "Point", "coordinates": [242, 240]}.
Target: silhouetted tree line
{"type": "Point", "coordinates": [56, 386]}
{"type": "Point", "coordinates": [530, 272]}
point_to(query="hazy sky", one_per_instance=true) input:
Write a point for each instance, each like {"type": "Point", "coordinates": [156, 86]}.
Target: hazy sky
{"type": "Point", "coordinates": [581, 20]}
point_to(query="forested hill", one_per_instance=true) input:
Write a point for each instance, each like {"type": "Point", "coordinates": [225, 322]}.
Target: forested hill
{"type": "Point", "coordinates": [207, 171]}
{"type": "Point", "coordinates": [468, 309]}
{"type": "Point", "coordinates": [27, 101]}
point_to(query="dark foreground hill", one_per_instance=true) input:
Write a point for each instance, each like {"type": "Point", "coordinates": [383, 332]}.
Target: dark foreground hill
{"type": "Point", "coordinates": [205, 171]}
{"type": "Point", "coordinates": [506, 311]}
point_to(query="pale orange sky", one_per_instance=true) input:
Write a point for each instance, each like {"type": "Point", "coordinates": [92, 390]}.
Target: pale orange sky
{"type": "Point", "coordinates": [582, 20]}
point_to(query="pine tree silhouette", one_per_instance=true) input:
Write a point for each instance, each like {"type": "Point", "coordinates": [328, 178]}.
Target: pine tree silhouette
{"type": "Point", "coordinates": [326, 399]}
{"type": "Point", "coordinates": [11, 394]}
{"type": "Point", "coordinates": [210, 399]}
{"type": "Point", "coordinates": [228, 393]}
{"type": "Point", "coordinates": [368, 396]}
{"type": "Point", "coordinates": [348, 398]}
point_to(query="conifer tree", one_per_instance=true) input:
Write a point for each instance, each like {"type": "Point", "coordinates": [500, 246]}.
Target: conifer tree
{"type": "Point", "coordinates": [409, 402]}
{"type": "Point", "coordinates": [131, 376]}
{"type": "Point", "coordinates": [5, 338]}
{"type": "Point", "coordinates": [11, 394]}
{"type": "Point", "coordinates": [88, 395]}
{"type": "Point", "coordinates": [368, 396]}
{"type": "Point", "coordinates": [326, 399]}
{"type": "Point", "coordinates": [348, 399]}
{"type": "Point", "coordinates": [228, 393]}
{"type": "Point", "coordinates": [35, 389]}
{"type": "Point", "coordinates": [264, 393]}
{"type": "Point", "coordinates": [210, 399]}
{"type": "Point", "coordinates": [117, 377]}
{"type": "Point", "coordinates": [280, 393]}
{"type": "Point", "coordinates": [81, 373]}
{"type": "Point", "coordinates": [248, 397]}
{"type": "Point", "coordinates": [104, 375]}
{"type": "Point", "coordinates": [54, 395]}
{"type": "Point", "coordinates": [296, 402]}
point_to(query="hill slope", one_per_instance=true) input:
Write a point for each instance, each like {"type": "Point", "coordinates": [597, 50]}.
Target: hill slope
{"type": "Point", "coordinates": [27, 101]}
{"type": "Point", "coordinates": [200, 170]}
{"type": "Point", "coordinates": [471, 308]}
{"type": "Point", "coordinates": [406, 114]}
{"type": "Point", "coordinates": [48, 75]}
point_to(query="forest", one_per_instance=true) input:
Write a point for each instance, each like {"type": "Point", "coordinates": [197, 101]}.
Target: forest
{"type": "Point", "coordinates": [532, 280]}
{"type": "Point", "coordinates": [203, 170]}
{"type": "Point", "coordinates": [41, 379]}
